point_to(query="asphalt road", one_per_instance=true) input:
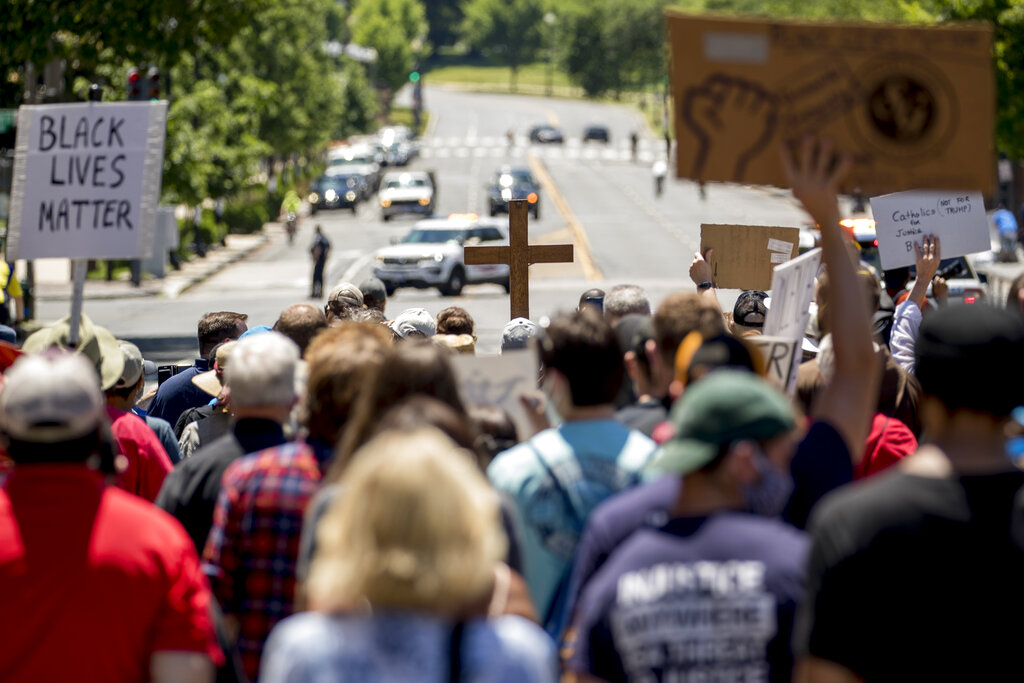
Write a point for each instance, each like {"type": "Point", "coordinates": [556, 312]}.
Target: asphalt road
{"type": "Point", "coordinates": [595, 196]}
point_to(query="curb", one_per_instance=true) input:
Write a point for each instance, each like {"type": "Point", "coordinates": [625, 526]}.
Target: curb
{"type": "Point", "coordinates": [171, 285]}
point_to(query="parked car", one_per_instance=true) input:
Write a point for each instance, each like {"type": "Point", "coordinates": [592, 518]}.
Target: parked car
{"type": "Point", "coordinates": [406, 192]}
{"type": "Point", "coordinates": [597, 133]}
{"type": "Point", "coordinates": [432, 255]}
{"type": "Point", "coordinates": [546, 134]}
{"type": "Point", "coordinates": [335, 191]}
{"type": "Point", "coordinates": [512, 183]}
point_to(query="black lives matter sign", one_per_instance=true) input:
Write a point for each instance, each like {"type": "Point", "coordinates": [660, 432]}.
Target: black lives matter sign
{"type": "Point", "coordinates": [86, 180]}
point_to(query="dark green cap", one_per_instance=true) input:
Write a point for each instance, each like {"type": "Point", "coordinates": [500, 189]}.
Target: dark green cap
{"type": "Point", "coordinates": [724, 406]}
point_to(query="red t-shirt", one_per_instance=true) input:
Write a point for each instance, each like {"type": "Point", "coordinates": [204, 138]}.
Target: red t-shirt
{"type": "Point", "coordinates": [888, 442]}
{"type": "Point", "coordinates": [148, 462]}
{"type": "Point", "coordinates": [94, 580]}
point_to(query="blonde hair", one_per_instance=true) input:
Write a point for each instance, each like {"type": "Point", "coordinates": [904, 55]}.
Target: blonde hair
{"type": "Point", "coordinates": [416, 527]}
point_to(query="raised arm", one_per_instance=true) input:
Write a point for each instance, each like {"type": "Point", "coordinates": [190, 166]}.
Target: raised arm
{"type": "Point", "coordinates": [848, 401]}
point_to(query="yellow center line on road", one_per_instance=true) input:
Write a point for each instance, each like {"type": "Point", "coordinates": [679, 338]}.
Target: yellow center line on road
{"type": "Point", "coordinates": [579, 235]}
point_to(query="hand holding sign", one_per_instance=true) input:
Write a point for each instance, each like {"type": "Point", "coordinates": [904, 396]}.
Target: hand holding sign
{"type": "Point", "coordinates": [929, 255]}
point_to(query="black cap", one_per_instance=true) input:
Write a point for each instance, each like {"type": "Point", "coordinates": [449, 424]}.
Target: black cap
{"type": "Point", "coordinates": [970, 357]}
{"type": "Point", "coordinates": [750, 310]}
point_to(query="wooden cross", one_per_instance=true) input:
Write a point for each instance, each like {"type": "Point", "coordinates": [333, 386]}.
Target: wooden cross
{"type": "Point", "coordinates": [519, 255]}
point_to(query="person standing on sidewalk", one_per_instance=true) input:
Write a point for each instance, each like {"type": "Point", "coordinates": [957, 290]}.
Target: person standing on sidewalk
{"type": "Point", "coordinates": [319, 250]}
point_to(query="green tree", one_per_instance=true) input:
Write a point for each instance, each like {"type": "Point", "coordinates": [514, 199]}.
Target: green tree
{"type": "Point", "coordinates": [397, 30]}
{"type": "Point", "coordinates": [508, 33]}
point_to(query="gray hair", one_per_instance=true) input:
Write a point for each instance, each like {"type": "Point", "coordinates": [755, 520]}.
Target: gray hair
{"type": "Point", "coordinates": [262, 371]}
{"type": "Point", "coordinates": [622, 300]}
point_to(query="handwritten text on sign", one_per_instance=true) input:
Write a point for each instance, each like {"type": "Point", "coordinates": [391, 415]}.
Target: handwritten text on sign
{"type": "Point", "coordinates": [87, 179]}
{"type": "Point", "coordinates": [904, 218]}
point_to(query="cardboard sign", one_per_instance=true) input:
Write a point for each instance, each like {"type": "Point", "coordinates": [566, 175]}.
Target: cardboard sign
{"type": "Point", "coordinates": [745, 255]}
{"type": "Point", "coordinates": [792, 292]}
{"type": "Point", "coordinates": [904, 218]}
{"type": "Point", "coordinates": [499, 381]}
{"type": "Point", "coordinates": [914, 105]}
{"type": "Point", "coordinates": [86, 180]}
{"type": "Point", "coordinates": [781, 358]}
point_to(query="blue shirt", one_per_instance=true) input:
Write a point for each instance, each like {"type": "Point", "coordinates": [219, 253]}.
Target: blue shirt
{"type": "Point", "coordinates": [1005, 223]}
{"type": "Point", "coordinates": [556, 478]}
{"type": "Point", "coordinates": [177, 394]}
{"type": "Point", "coordinates": [404, 646]}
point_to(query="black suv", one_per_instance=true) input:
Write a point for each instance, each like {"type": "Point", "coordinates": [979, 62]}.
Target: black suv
{"type": "Point", "coordinates": [513, 183]}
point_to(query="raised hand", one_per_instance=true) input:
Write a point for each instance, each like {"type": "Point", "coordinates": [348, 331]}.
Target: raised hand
{"type": "Point", "coordinates": [729, 116]}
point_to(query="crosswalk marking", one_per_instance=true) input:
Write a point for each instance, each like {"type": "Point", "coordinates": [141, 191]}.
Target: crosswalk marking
{"type": "Point", "coordinates": [573, 149]}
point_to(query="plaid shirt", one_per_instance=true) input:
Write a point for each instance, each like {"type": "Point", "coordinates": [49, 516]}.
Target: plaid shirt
{"type": "Point", "coordinates": [254, 542]}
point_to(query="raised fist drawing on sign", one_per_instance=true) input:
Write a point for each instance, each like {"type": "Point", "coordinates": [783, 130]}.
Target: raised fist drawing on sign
{"type": "Point", "coordinates": [730, 116]}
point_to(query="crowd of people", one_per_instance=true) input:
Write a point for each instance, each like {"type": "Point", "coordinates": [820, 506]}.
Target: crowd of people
{"type": "Point", "coordinates": [317, 500]}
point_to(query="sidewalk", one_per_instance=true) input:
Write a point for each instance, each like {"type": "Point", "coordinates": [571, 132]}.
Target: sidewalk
{"type": "Point", "coordinates": [176, 281]}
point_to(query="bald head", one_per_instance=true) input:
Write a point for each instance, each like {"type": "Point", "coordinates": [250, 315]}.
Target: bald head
{"type": "Point", "coordinates": [300, 323]}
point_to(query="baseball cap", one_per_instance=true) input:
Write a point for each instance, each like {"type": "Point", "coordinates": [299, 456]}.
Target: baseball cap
{"type": "Point", "coordinates": [51, 397]}
{"type": "Point", "coordinates": [724, 406]}
{"type": "Point", "coordinates": [346, 294]}
{"type": "Point", "coordinates": [134, 365]}
{"type": "Point", "coordinates": [517, 333]}
{"type": "Point", "coordinates": [209, 381]}
{"type": "Point", "coordinates": [414, 321]}
{"type": "Point", "coordinates": [98, 345]}
{"type": "Point", "coordinates": [750, 309]}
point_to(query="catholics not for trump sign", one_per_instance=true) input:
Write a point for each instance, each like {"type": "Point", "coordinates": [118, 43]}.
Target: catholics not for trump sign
{"type": "Point", "coordinates": [86, 180]}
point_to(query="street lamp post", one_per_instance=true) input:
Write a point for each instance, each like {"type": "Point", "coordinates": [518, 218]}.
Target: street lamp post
{"type": "Point", "coordinates": [549, 21]}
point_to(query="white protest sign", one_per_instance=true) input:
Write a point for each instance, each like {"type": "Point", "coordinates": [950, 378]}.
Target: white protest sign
{"type": "Point", "coordinates": [904, 218]}
{"type": "Point", "coordinates": [792, 292]}
{"type": "Point", "coordinates": [781, 358]}
{"type": "Point", "coordinates": [86, 180]}
{"type": "Point", "coordinates": [499, 381]}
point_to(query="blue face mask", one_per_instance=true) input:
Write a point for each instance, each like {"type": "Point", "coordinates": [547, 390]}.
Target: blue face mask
{"type": "Point", "coordinates": [770, 494]}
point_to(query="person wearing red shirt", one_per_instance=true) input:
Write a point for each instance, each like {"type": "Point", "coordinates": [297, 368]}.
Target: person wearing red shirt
{"type": "Point", "coordinates": [98, 584]}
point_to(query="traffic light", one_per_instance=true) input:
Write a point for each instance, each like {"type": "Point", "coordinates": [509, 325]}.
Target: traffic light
{"type": "Point", "coordinates": [414, 77]}
{"type": "Point", "coordinates": [152, 84]}
{"type": "Point", "coordinates": [134, 90]}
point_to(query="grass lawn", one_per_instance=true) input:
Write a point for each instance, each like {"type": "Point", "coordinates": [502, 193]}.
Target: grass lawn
{"type": "Point", "coordinates": [529, 76]}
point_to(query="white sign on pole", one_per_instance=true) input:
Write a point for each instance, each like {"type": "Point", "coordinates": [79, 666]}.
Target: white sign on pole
{"type": "Point", "coordinates": [904, 218]}
{"type": "Point", "coordinates": [499, 381]}
{"type": "Point", "coordinates": [86, 180]}
{"type": "Point", "coordinates": [781, 357]}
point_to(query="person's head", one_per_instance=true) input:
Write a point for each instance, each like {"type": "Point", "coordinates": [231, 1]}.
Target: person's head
{"type": "Point", "coordinates": [749, 312]}
{"type": "Point", "coordinates": [968, 362]}
{"type": "Point", "coordinates": [414, 323]}
{"type": "Point", "coordinates": [95, 343]}
{"type": "Point", "coordinates": [896, 279]}
{"type": "Point", "coordinates": [212, 381]}
{"type": "Point", "coordinates": [52, 410]}
{"type": "Point", "coordinates": [593, 298]}
{"type": "Point", "coordinates": [734, 435]}
{"type": "Point", "coordinates": [375, 294]}
{"type": "Point", "coordinates": [418, 529]}
{"type": "Point", "coordinates": [317, 229]}
{"type": "Point", "coordinates": [677, 316]}
{"type": "Point", "coordinates": [623, 300]}
{"type": "Point", "coordinates": [454, 320]}
{"type": "Point", "coordinates": [218, 327]}
{"type": "Point", "coordinates": [497, 432]}
{"type": "Point", "coordinates": [339, 361]}
{"type": "Point", "coordinates": [872, 295]}
{"type": "Point", "coordinates": [261, 375]}
{"type": "Point", "coordinates": [582, 360]}
{"type": "Point", "coordinates": [417, 411]}
{"type": "Point", "coordinates": [342, 303]}
{"type": "Point", "coordinates": [411, 367]}
{"type": "Point", "coordinates": [133, 378]}
{"type": "Point", "coordinates": [718, 352]}
{"type": "Point", "coordinates": [300, 323]}
{"type": "Point", "coordinates": [517, 334]}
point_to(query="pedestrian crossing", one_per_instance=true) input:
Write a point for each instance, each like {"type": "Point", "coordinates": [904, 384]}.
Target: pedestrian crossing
{"type": "Point", "coordinates": [648, 150]}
